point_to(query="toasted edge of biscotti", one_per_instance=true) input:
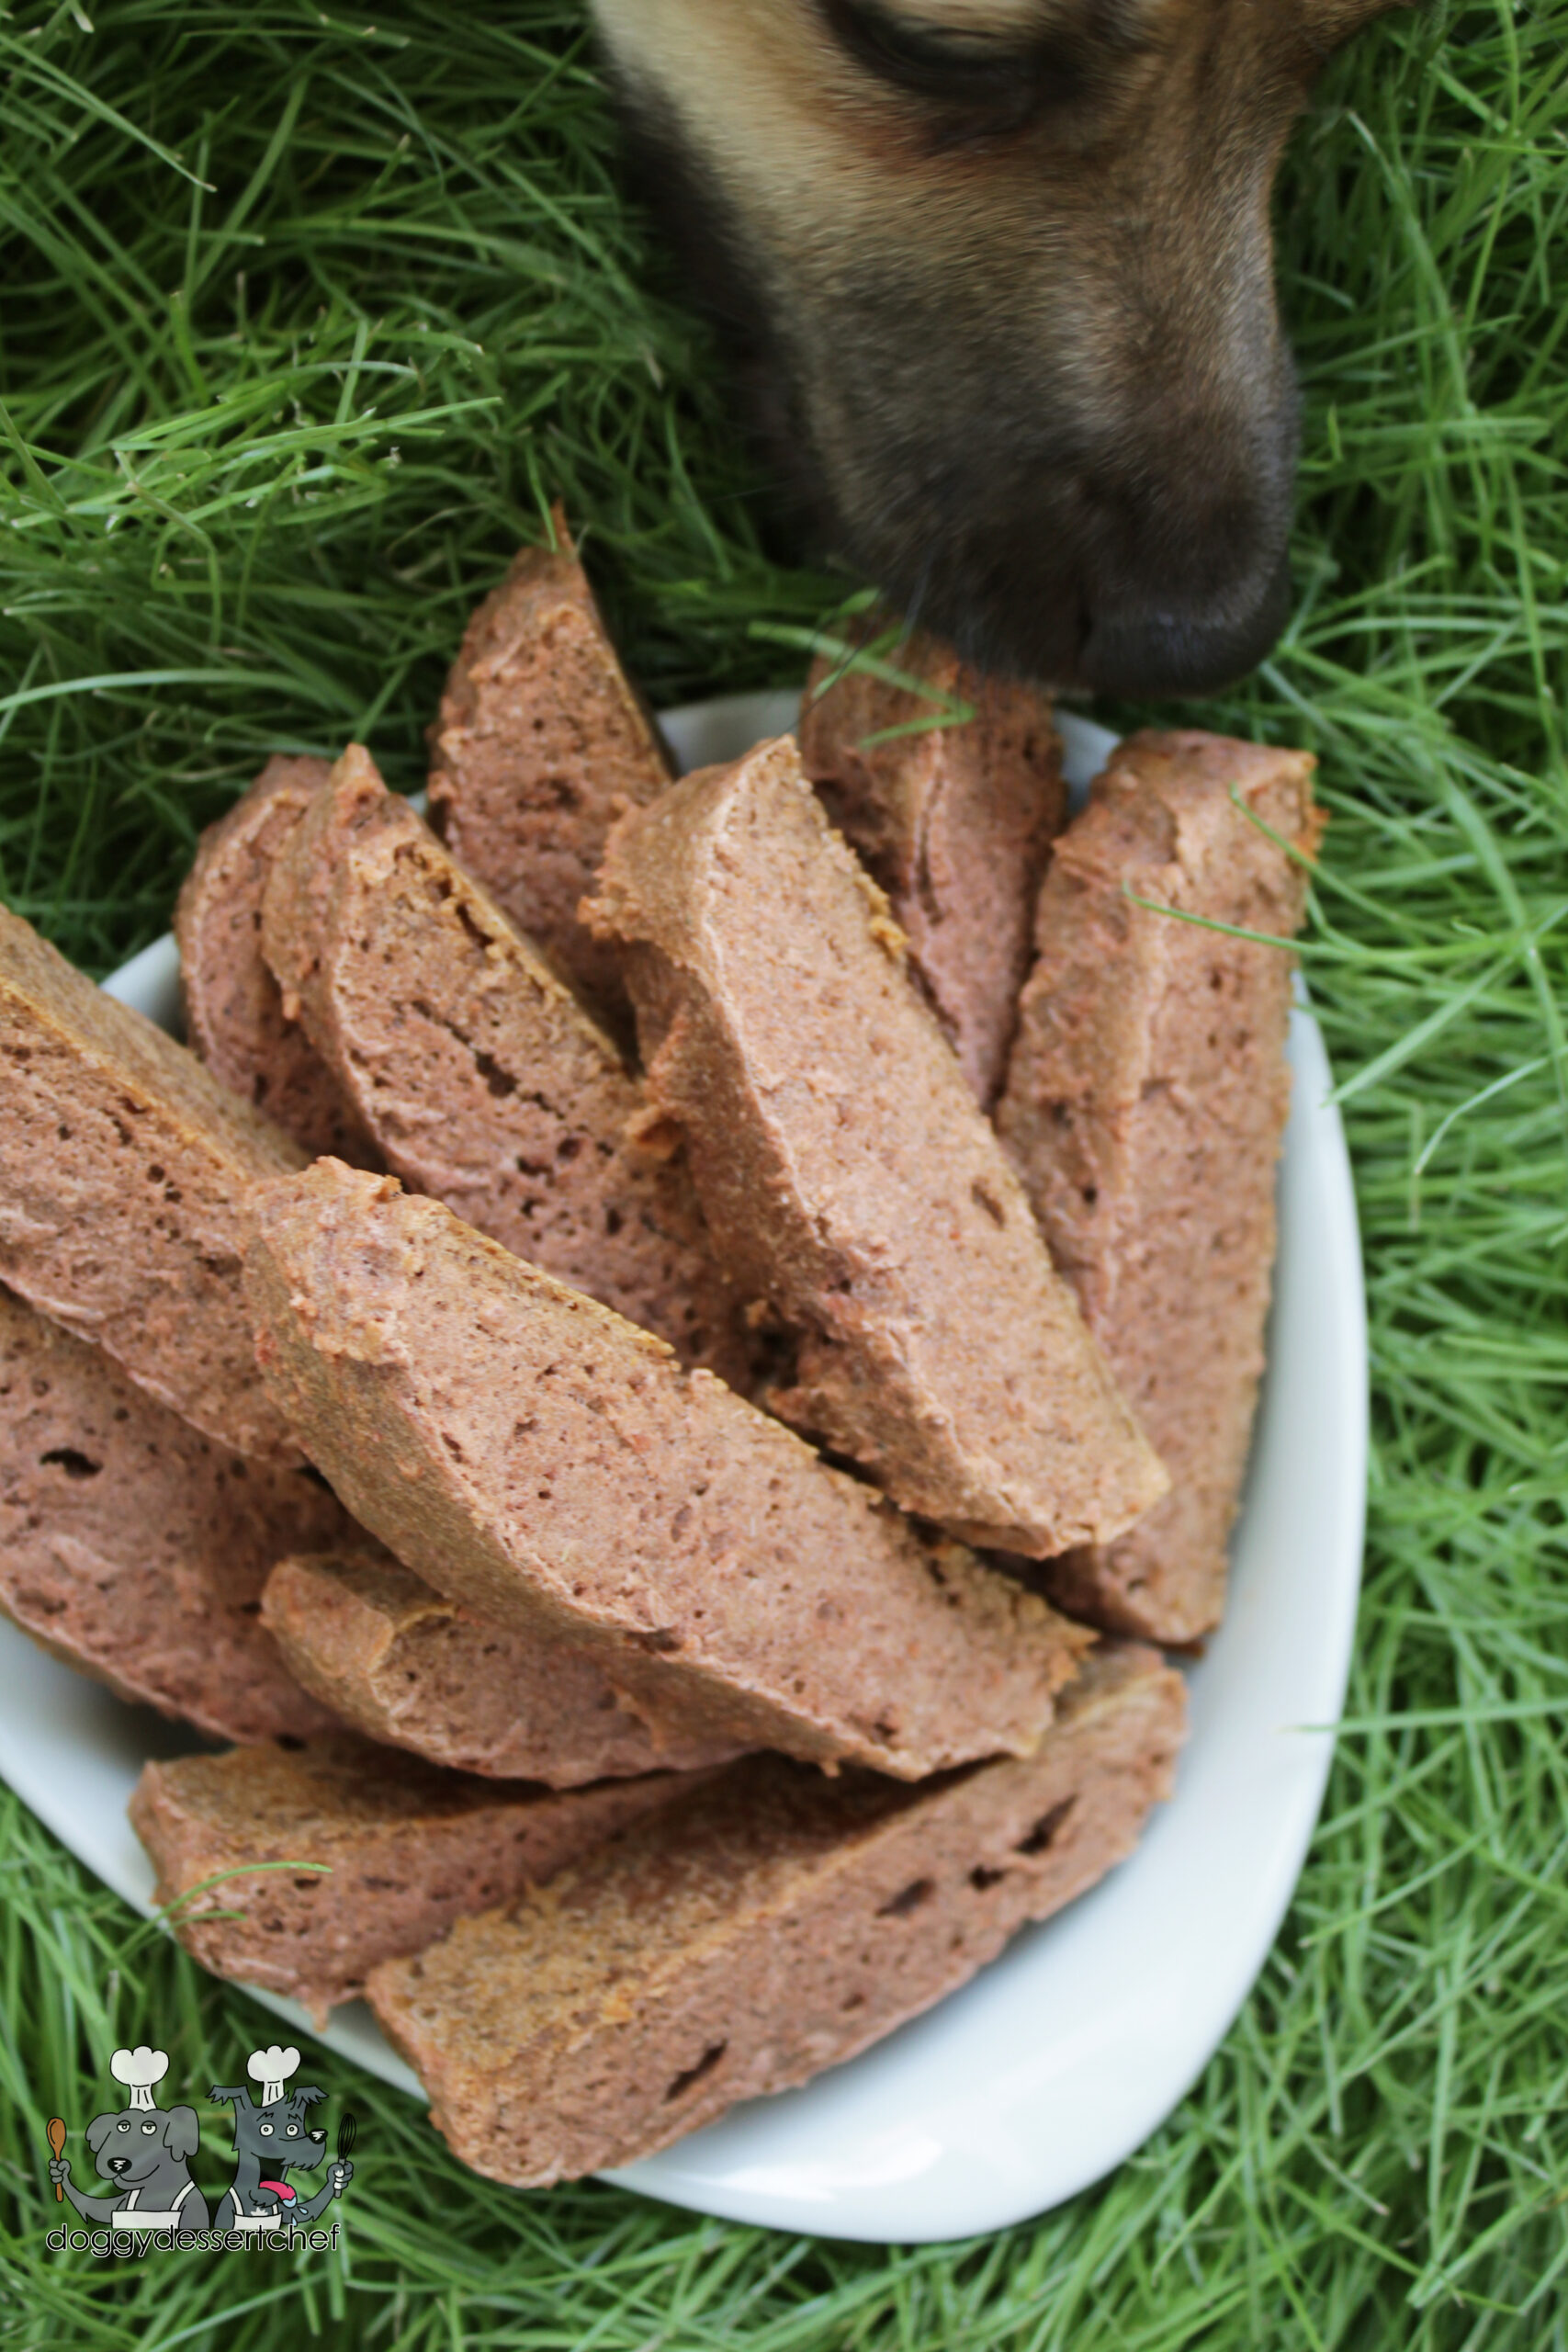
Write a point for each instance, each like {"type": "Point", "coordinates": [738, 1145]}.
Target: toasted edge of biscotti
{"type": "Point", "coordinates": [403, 1664]}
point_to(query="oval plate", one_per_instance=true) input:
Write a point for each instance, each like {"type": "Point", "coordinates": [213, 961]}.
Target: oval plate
{"type": "Point", "coordinates": [1061, 2057]}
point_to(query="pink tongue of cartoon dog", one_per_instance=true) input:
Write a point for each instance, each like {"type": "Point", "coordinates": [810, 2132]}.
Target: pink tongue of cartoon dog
{"type": "Point", "coordinates": [282, 2187]}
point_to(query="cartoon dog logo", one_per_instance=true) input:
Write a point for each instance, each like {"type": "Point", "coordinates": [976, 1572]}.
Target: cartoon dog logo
{"type": "Point", "coordinates": [271, 2137]}
{"type": "Point", "coordinates": [144, 2151]}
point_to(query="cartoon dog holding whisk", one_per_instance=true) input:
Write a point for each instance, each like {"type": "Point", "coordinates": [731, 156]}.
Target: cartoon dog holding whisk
{"type": "Point", "coordinates": [271, 2136]}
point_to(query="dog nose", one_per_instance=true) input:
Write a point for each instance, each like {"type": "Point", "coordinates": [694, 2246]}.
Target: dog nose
{"type": "Point", "coordinates": [1169, 649]}
{"type": "Point", "coordinates": [318, 2137]}
{"type": "Point", "coordinates": [119, 2164]}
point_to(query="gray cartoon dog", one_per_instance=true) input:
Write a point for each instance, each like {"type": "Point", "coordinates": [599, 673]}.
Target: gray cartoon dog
{"type": "Point", "coordinates": [270, 2136]}
{"type": "Point", "coordinates": [144, 2151]}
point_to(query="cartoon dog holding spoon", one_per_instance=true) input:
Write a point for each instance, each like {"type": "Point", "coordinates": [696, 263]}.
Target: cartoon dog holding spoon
{"type": "Point", "coordinates": [144, 2151]}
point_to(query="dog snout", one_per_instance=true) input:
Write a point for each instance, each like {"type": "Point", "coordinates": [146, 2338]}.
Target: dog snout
{"type": "Point", "coordinates": [118, 2164]}
{"type": "Point", "coordinates": [1194, 591]}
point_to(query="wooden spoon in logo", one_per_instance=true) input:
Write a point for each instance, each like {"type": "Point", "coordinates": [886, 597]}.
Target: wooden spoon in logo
{"type": "Point", "coordinates": [57, 2141]}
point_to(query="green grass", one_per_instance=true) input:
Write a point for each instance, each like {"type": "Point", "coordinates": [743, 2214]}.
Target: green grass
{"type": "Point", "coordinates": [307, 313]}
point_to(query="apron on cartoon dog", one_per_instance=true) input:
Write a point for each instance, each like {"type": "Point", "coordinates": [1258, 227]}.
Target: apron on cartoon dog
{"type": "Point", "coordinates": [276, 2217]}
{"type": "Point", "coordinates": [134, 2216]}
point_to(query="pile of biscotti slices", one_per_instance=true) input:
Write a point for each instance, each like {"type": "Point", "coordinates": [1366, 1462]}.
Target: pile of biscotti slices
{"type": "Point", "coordinates": [659, 1363]}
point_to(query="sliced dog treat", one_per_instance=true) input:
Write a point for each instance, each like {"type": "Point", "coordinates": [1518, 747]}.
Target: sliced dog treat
{"type": "Point", "coordinates": [394, 1657]}
{"type": "Point", "coordinates": [379, 1854]}
{"type": "Point", "coordinates": [234, 1016]}
{"type": "Point", "coordinates": [768, 1926]}
{"type": "Point", "coordinates": [847, 1175]}
{"type": "Point", "coordinates": [955, 823]}
{"type": "Point", "coordinates": [479, 1074]}
{"type": "Point", "coordinates": [1144, 1109]}
{"type": "Point", "coordinates": [124, 1167]}
{"type": "Point", "coordinates": [136, 1549]}
{"type": "Point", "coordinates": [540, 742]}
{"type": "Point", "coordinates": [533, 1457]}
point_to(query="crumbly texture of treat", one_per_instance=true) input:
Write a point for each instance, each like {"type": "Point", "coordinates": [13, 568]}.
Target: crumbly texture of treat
{"type": "Point", "coordinates": [954, 823]}
{"type": "Point", "coordinates": [234, 1016]}
{"type": "Point", "coordinates": [478, 1072]}
{"type": "Point", "coordinates": [134, 1548]}
{"type": "Point", "coordinates": [848, 1176]}
{"type": "Point", "coordinates": [533, 1457]}
{"type": "Point", "coordinates": [401, 1662]}
{"type": "Point", "coordinates": [124, 1167]}
{"type": "Point", "coordinates": [541, 741]}
{"type": "Point", "coordinates": [1144, 1109]}
{"type": "Point", "coordinates": [391, 1852]}
{"type": "Point", "coordinates": [769, 1925]}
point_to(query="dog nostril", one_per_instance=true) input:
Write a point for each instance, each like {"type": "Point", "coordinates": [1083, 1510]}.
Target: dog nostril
{"type": "Point", "coordinates": [1185, 651]}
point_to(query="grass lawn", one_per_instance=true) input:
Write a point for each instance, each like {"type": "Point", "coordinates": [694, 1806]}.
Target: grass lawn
{"type": "Point", "coordinates": [306, 313]}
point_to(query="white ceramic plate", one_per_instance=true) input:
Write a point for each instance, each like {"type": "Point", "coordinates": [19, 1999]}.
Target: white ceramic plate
{"type": "Point", "coordinates": [1060, 2058]}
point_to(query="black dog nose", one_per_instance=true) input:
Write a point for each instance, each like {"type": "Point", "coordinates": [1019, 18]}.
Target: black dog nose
{"type": "Point", "coordinates": [119, 2164]}
{"type": "Point", "coordinates": [1168, 649]}
{"type": "Point", "coordinates": [318, 2136]}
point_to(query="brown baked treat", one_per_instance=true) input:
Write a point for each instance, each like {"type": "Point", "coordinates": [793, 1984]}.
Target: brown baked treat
{"type": "Point", "coordinates": [848, 1176]}
{"type": "Point", "coordinates": [234, 1017]}
{"type": "Point", "coordinates": [954, 823]}
{"type": "Point", "coordinates": [134, 1548]}
{"type": "Point", "coordinates": [401, 1662]}
{"type": "Point", "coordinates": [1144, 1109]}
{"type": "Point", "coordinates": [768, 1925]}
{"type": "Point", "coordinates": [123, 1170]}
{"type": "Point", "coordinates": [539, 742]}
{"type": "Point", "coordinates": [391, 1851]}
{"type": "Point", "coordinates": [479, 1074]}
{"type": "Point", "coordinates": [551, 1466]}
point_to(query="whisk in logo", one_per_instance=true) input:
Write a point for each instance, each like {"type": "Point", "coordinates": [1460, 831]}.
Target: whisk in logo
{"type": "Point", "coordinates": [143, 2153]}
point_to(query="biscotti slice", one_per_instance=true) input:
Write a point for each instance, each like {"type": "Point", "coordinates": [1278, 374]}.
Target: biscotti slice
{"type": "Point", "coordinates": [234, 1016]}
{"type": "Point", "coordinates": [396, 1659]}
{"type": "Point", "coordinates": [770, 1925]}
{"type": "Point", "coordinates": [136, 1549]}
{"type": "Point", "coordinates": [529, 1452]}
{"type": "Point", "coordinates": [1144, 1109]}
{"type": "Point", "coordinates": [347, 1855]}
{"type": "Point", "coordinates": [124, 1166]}
{"type": "Point", "coordinates": [955, 822]}
{"type": "Point", "coordinates": [850, 1178]}
{"type": "Point", "coordinates": [480, 1077]}
{"type": "Point", "coordinates": [539, 744]}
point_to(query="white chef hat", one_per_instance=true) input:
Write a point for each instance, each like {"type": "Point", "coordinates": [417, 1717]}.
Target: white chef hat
{"type": "Point", "coordinates": [271, 2068]}
{"type": "Point", "coordinates": [139, 2069]}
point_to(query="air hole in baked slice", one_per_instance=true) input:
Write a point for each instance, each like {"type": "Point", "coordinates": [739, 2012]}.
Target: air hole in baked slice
{"type": "Point", "coordinates": [74, 1464]}
{"type": "Point", "coordinates": [704, 2066]}
{"type": "Point", "coordinates": [909, 1900]}
{"type": "Point", "coordinates": [1043, 1832]}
